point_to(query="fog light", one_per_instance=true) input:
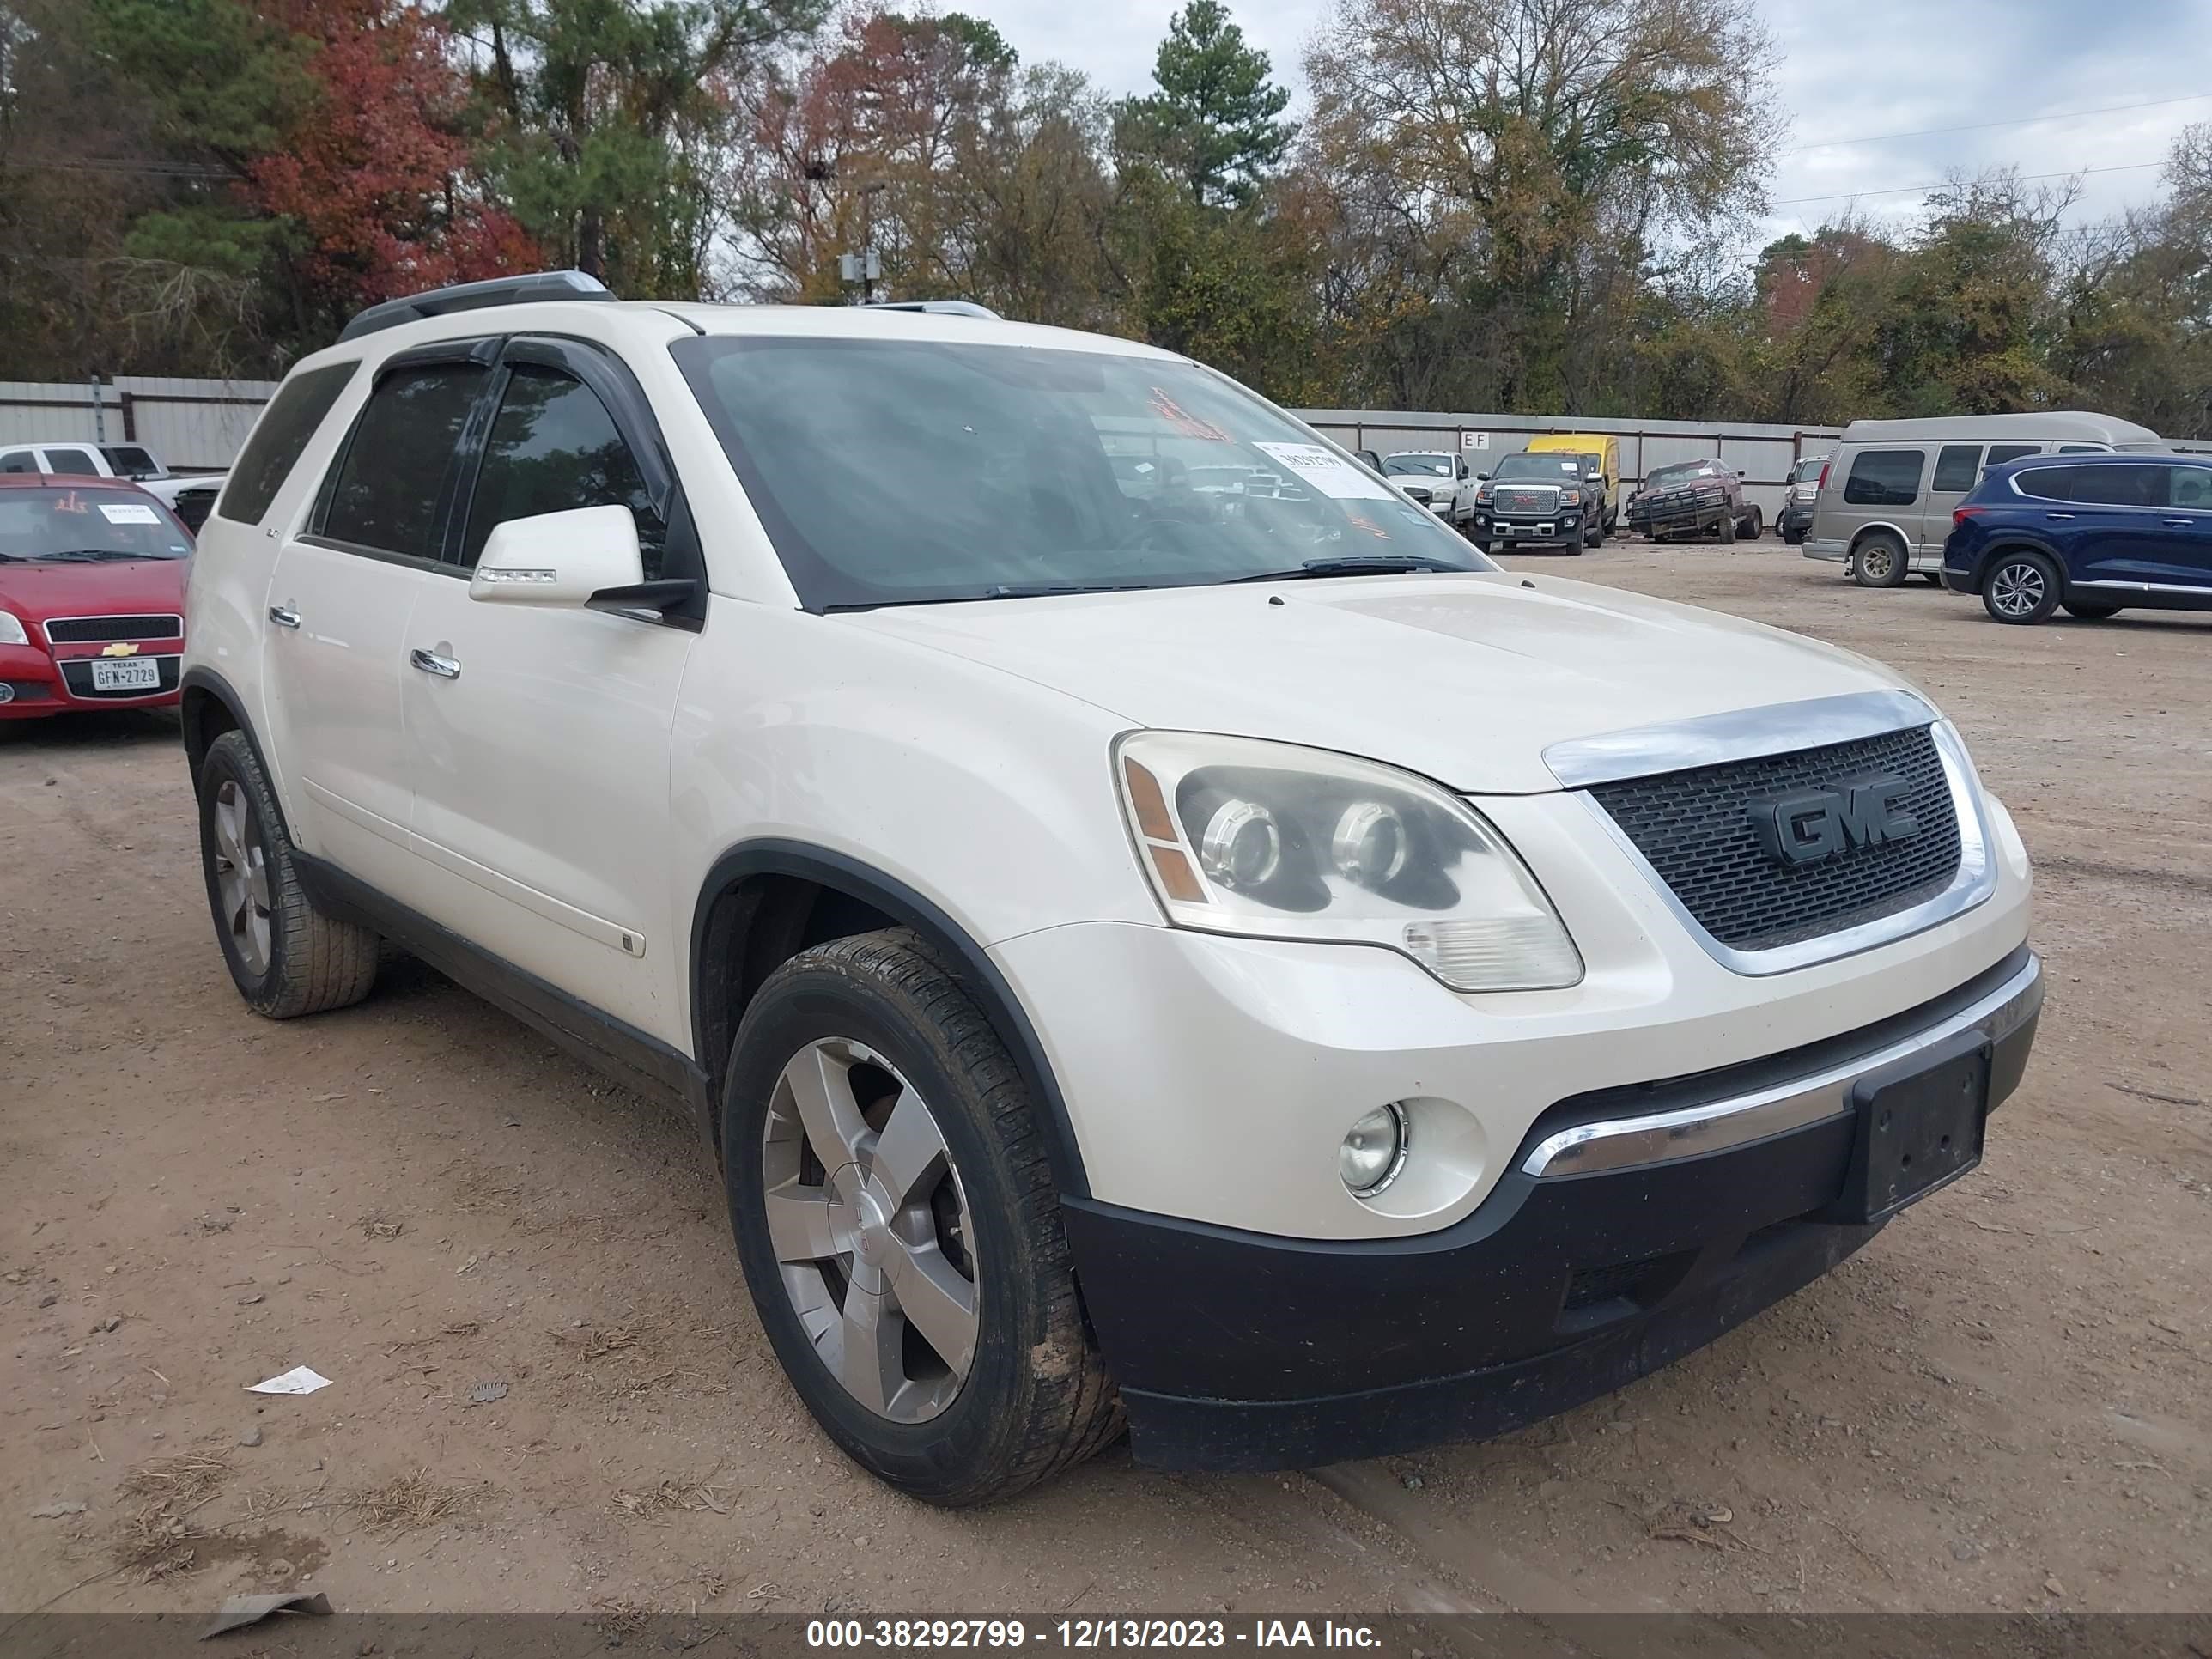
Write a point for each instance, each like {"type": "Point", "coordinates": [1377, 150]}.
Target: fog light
{"type": "Point", "coordinates": [7, 692]}
{"type": "Point", "coordinates": [1373, 1151]}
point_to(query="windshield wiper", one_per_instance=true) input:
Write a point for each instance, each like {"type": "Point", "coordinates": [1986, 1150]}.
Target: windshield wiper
{"type": "Point", "coordinates": [87, 555]}
{"type": "Point", "coordinates": [1046, 590]}
{"type": "Point", "coordinates": [1357, 564]}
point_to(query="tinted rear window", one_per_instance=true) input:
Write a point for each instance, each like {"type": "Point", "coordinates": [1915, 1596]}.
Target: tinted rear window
{"type": "Point", "coordinates": [77, 461]}
{"type": "Point", "coordinates": [2097, 486]}
{"type": "Point", "coordinates": [1957, 466]}
{"type": "Point", "coordinates": [281, 433]}
{"type": "Point", "coordinates": [2192, 487]}
{"type": "Point", "coordinates": [1885, 477]}
{"type": "Point", "coordinates": [2000, 453]}
{"type": "Point", "coordinates": [131, 460]}
{"type": "Point", "coordinates": [394, 473]}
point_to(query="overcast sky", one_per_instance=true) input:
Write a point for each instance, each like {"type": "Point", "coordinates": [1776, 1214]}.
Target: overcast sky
{"type": "Point", "coordinates": [1849, 68]}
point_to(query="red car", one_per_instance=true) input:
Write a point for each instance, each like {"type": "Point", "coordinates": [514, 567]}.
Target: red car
{"type": "Point", "coordinates": [92, 596]}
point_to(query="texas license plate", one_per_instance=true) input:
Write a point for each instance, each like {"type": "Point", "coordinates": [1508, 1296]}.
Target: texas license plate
{"type": "Point", "coordinates": [131, 674]}
{"type": "Point", "coordinates": [1919, 1127]}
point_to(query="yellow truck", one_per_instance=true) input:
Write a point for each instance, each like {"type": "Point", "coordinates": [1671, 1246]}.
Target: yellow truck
{"type": "Point", "coordinates": [1602, 457]}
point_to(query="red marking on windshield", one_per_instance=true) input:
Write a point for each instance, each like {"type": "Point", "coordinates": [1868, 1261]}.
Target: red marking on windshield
{"type": "Point", "coordinates": [1183, 422]}
{"type": "Point", "coordinates": [1361, 521]}
{"type": "Point", "coordinates": [71, 502]}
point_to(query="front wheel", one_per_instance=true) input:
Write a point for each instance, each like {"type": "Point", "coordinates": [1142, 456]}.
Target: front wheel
{"type": "Point", "coordinates": [1727, 531]}
{"type": "Point", "coordinates": [1594, 532]}
{"type": "Point", "coordinates": [900, 1228]}
{"type": "Point", "coordinates": [286, 957]}
{"type": "Point", "coordinates": [1880, 560]}
{"type": "Point", "coordinates": [2021, 587]}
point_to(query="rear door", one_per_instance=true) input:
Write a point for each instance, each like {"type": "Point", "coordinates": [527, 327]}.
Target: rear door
{"type": "Point", "coordinates": [335, 646]}
{"type": "Point", "coordinates": [2106, 520]}
{"type": "Point", "coordinates": [541, 797]}
{"type": "Point", "coordinates": [2188, 524]}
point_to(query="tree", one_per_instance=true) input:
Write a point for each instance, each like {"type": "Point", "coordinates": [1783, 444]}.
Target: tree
{"type": "Point", "coordinates": [1213, 122]}
{"type": "Point", "coordinates": [608, 121]}
{"type": "Point", "coordinates": [1518, 161]}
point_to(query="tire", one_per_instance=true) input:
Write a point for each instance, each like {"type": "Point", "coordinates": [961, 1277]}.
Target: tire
{"type": "Point", "coordinates": [1481, 544]}
{"type": "Point", "coordinates": [903, 1054]}
{"type": "Point", "coordinates": [1754, 523]}
{"type": "Point", "coordinates": [1881, 561]}
{"type": "Point", "coordinates": [286, 957]}
{"type": "Point", "coordinates": [1594, 532]}
{"type": "Point", "coordinates": [1727, 530]}
{"type": "Point", "coordinates": [2021, 587]}
{"type": "Point", "coordinates": [2083, 612]}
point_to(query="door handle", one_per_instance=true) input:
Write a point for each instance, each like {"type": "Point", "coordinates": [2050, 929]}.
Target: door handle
{"type": "Point", "coordinates": [283, 616]}
{"type": "Point", "coordinates": [2178, 524]}
{"type": "Point", "coordinates": [431, 663]}
{"type": "Point", "coordinates": [2058, 518]}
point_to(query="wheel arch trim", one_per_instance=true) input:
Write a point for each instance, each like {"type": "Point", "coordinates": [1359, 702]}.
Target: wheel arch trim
{"type": "Point", "coordinates": [774, 856]}
{"type": "Point", "coordinates": [201, 678]}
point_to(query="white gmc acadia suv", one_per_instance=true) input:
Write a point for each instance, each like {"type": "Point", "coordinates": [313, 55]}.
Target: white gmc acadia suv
{"type": "Point", "coordinates": [1240, 964]}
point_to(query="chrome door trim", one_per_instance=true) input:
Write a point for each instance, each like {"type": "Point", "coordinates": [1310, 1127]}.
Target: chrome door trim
{"type": "Point", "coordinates": [1643, 751]}
{"type": "Point", "coordinates": [1693, 1131]}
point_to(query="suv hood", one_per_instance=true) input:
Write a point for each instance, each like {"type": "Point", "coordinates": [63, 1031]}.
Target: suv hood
{"type": "Point", "coordinates": [1462, 679]}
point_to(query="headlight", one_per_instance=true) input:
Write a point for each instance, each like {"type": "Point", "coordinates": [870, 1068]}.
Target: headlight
{"type": "Point", "coordinates": [1239, 836]}
{"type": "Point", "coordinates": [1571, 498]}
{"type": "Point", "coordinates": [11, 629]}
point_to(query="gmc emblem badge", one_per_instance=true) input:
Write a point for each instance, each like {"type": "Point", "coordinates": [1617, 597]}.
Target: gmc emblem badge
{"type": "Point", "coordinates": [1809, 824]}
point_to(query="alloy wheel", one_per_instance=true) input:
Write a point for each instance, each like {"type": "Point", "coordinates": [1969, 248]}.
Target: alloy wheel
{"type": "Point", "coordinates": [873, 1238]}
{"type": "Point", "coordinates": [242, 874]}
{"type": "Point", "coordinates": [2016, 589]}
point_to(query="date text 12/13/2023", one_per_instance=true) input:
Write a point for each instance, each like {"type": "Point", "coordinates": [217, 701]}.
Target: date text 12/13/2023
{"type": "Point", "coordinates": [1000, 1634]}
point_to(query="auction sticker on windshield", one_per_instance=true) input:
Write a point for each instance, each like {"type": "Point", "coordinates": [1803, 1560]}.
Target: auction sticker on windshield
{"type": "Point", "coordinates": [129, 513]}
{"type": "Point", "coordinates": [1329, 472]}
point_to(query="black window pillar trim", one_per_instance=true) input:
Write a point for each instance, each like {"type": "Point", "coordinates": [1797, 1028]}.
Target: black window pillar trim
{"type": "Point", "coordinates": [775, 857]}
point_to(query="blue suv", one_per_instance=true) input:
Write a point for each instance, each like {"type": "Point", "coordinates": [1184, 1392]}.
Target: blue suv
{"type": "Point", "coordinates": [2092, 535]}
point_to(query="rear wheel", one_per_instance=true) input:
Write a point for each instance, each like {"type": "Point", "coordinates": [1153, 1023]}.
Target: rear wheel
{"type": "Point", "coordinates": [2087, 612]}
{"type": "Point", "coordinates": [1753, 522]}
{"type": "Point", "coordinates": [2021, 587]}
{"type": "Point", "coordinates": [286, 957]}
{"type": "Point", "coordinates": [1880, 560]}
{"type": "Point", "coordinates": [900, 1228]}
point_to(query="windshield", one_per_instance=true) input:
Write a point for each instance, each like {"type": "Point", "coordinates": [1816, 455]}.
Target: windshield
{"type": "Point", "coordinates": [86, 526]}
{"type": "Point", "coordinates": [1426, 466]}
{"type": "Point", "coordinates": [1809, 468]}
{"type": "Point", "coordinates": [1683, 472]}
{"type": "Point", "coordinates": [998, 470]}
{"type": "Point", "coordinates": [1550, 466]}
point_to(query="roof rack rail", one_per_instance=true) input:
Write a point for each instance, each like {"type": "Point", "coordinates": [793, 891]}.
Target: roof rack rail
{"type": "Point", "coordinates": [942, 307]}
{"type": "Point", "coordinates": [471, 296]}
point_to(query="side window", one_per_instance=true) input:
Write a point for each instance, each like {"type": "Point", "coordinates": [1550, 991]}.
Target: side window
{"type": "Point", "coordinates": [1957, 465]}
{"type": "Point", "coordinates": [2083, 449]}
{"type": "Point", "coordinates": [278, 439]}
{"type": "Point", "coordinates": [2000, 453]}
{"type": "Point", "coordinates": [2051, 484]}
{"type": "Point", "coordinates": [1885, 477]}
{"type": "Point", "coordinates": [387, 489]}
{"type": "Point", "coordinates": [553, 448]}
{"type": "Point", "coordinates": [19, 460]}
{"type": "Point", "coordinates": [2192, 487]}
{"type": "Point", "coordinates": [131, 460]}
{"type": "Point", "coordinates": [78, 463]}
{"type": "Point", "coordinates": [2121, 486]}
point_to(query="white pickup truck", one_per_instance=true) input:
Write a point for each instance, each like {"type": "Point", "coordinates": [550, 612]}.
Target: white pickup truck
{"type": "Point", "coordinates": [189, 496]}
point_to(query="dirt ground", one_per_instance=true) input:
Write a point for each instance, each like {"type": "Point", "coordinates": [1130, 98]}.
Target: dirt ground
{"type": "Point", "coordinates": [549, 1391]}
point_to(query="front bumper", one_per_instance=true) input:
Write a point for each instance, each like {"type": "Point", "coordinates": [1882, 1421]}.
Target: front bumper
{"type": "Point", "coordinates": [34, 683]}
{"type": "Point", "coordinates": [1795, 520]}
{"type": "Point", "coordinates": [1634, 1225]}
{"type": "Point", "coordinates": [1560, 528]}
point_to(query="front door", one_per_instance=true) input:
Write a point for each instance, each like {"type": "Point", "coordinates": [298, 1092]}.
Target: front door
{"type": "Point", "coordinates": [540, 736]}
{"type": "Point", "coordinates": [335, 643]}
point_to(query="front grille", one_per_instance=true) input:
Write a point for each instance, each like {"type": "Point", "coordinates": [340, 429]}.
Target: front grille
{"type": "Point", "coordinates": [1526, 500]}
{"type": "Point", "coordinates": [1695, 829]}
{"type": "Point", "coordinates": [94, 630]}
{"type": "Point", "coordinates": [77, 674]}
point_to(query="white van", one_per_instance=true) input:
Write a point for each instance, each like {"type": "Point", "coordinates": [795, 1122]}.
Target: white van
{"type": "Point", "coordinates": [1886, 497]}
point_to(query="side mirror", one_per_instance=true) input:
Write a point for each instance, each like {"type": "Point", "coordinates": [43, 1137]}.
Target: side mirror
{"type": "Point", "coordinates": [1482, 477]}
{"type": "Point", "coordinates": [1370, 459]}
{"type": "Point", "coordinates": [564, 559]}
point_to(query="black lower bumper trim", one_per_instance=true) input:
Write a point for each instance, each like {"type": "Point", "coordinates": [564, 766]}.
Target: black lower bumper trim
{"type": "Point", "coordinates": [1244, 1351]}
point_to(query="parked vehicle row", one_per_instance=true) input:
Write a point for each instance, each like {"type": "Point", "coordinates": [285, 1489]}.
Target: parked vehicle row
{"type": "Point", "coordinates": [1039, 883]}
